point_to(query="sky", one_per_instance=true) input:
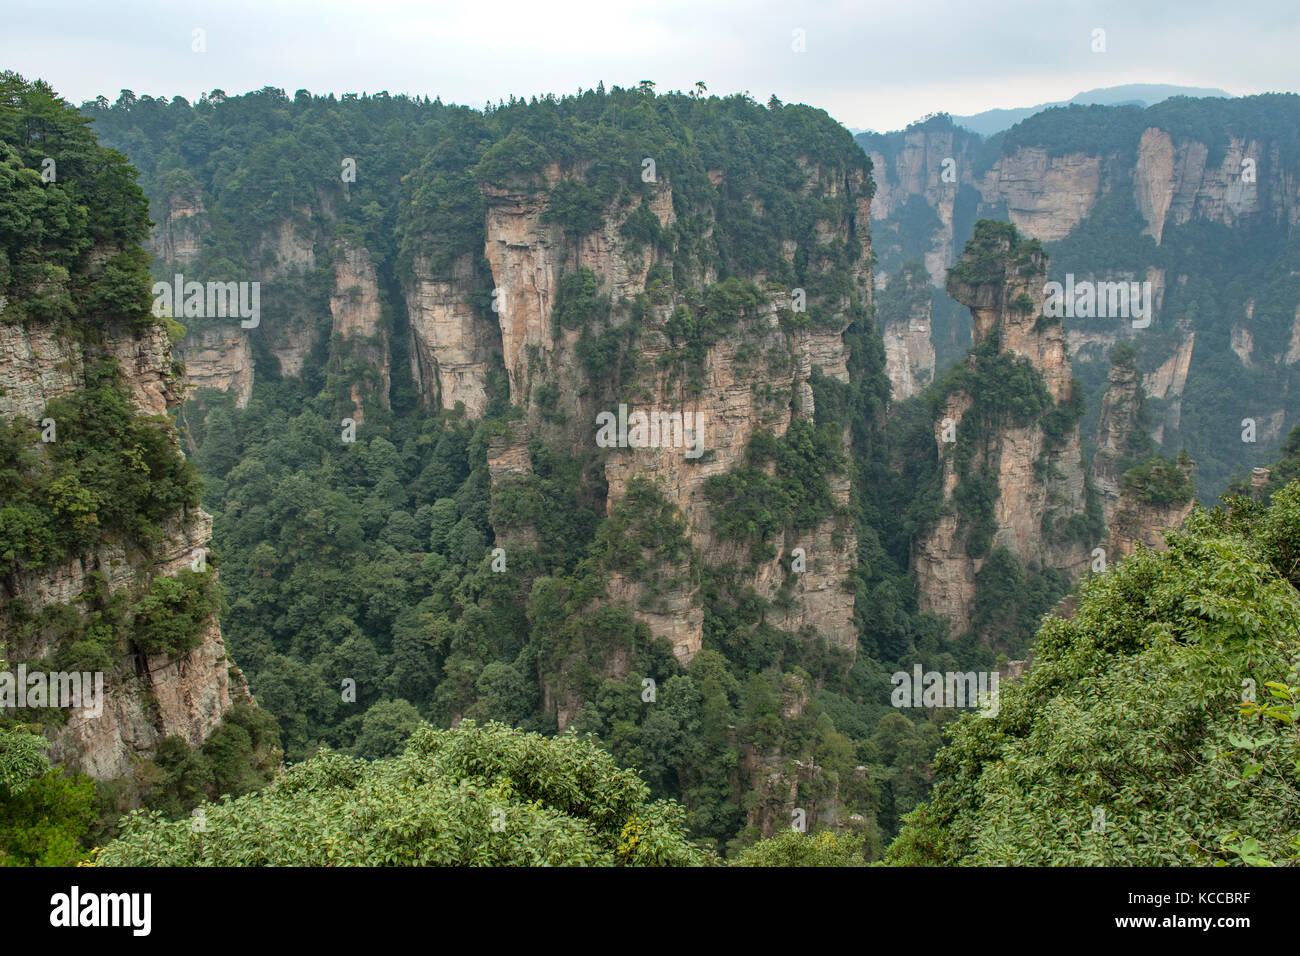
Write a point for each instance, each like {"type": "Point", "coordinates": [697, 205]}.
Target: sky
{"type": "Point", "coordinates": [871, 65]}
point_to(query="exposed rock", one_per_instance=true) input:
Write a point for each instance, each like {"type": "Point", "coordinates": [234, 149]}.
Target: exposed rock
{"type": "Point", "coordinates": [755, 377]}
{"type": "Point", "coordinates": [1135, 521]}
{"type": "Point", "coordinates": [453, 347]}
{"type": "Point", "coordinates": [1046, 196]}
{"type": "Point", "coordinates": [1293, 348]}
{"type": "Point", "coordinates": [1040, 483]}
{"type": "Point", "coordinates": [1259, 481]}
{"type": "Point", "coordinates": [358, 319]}
{"type": "Point", "coordinates": [1153, 178]}
{"type": "Point", "coordinates": [178, 238]}
{"type": "Point", "coordinates": [1168, 380]}
{"type": "Point", "coordinates": [149, 698]}
{"type": "Point", "coordinates": [1243, 344]}
{"type": "Point", "coordinates": [1170, 377]}
{"type": "Point", "coordinates": [909, 352]}
{"type": "Point", "coordinates": [1115, 429]}
{"type": "Point", "coordinates": [219, 357]}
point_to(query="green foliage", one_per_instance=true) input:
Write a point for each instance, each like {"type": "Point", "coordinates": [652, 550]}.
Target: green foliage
{"type": "Point", "coordinates": [1158, 481]}
{"type": "Point", "coordinates": [22, 759]}
{"type": "Point", "coordinates": [577, 206]}
{"type": "Point", "coordinates": [471, 796]}
{"type": "Point", "coordinates": [578, 301]}
{"type": "Point", "coordinates": [173, 616]}
{"type": "Point", "coordinates": [41, 824]}
{"type": "Point", "coordinates": [372, 561]}
{"type": "Point", "coordinates": [1132, 707]}
{"type": "Point", "coordinates": [783, 484]}
{"type": "Point", "coordinates": [645, 531]}
{"type": "Point", "coordinates": [50, 231]}
{"type": "Point", "coordinates": [793, 848]}
{"type": "Point", "coordinates": [109, 472]}
{"type": "Point", "coordinates": [995, 253]}
{"type": "Point", "coordinates": [241, 755]}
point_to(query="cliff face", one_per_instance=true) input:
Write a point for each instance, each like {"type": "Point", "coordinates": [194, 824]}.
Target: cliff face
{"type": "Point", "coordinates": [909, 347]}
{"type": "Point", "coordinates": [1115, 431]}
{"type": "Point", "coordinates": [1039, 476]}
{"type": "Point", "coordinates": [452, 347]}
{"type": "Point", "coordinates": [358, 325]}
{"type": "Point", "coordinates": [755, 377]}
{"type": "Point", "coordinates": [221, 358]}
{"type": "Point", "coordinates": [1171, 179]}
{"type": "Point", "coordinates": [1130, 195]}
{"type": "Point", "coordinates": [1121, 442]}
{"type": "Point", "coordinates": [146, 697]}
{"type": "Point", "coordinates": [178, 238]}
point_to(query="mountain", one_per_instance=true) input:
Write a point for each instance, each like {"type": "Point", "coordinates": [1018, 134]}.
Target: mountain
{"type": "Point", "coordinates": [1130, 94]}
{"type": "Point", "coordinates": [577, 414]}
{"type": "Point", "coordinates": [1193, 199]}
{"type": "Point", "coordinates": [414, 496]}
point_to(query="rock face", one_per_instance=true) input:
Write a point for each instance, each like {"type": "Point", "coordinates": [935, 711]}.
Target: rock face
{"type": "Point", "coordinates": [1116, 427]}
{"type": "Point", "coordinates": [221, 358]}
{"type": "Point", "coordinates": [453, 348]}
{"type": "Point", "coordinates": [358, 322]}
{"type": "Point", "coordinates": [1234, 171]}
{"type": "Point", "coordinates": [909, 348]}
{"type": "Point", "coordinates": [1168, 380]}
{"type": "Point", "coordinates": [146, 698]}
{"type": "Point", "coordinates": [1121, 442]}
{"type": "Point", "coordinates": [757, 376]}
{"type": "Point", "coordinates": [930, 166]}
{"type": "Point", "coordinates": [178, 238]}
{"type": "Point", "coordinates": [1045, 196]}
{"type": "Point", "coordinates": [1040, 481]}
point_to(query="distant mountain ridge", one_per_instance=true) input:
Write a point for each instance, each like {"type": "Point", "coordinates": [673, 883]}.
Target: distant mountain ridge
{"type": "Point", "coordinates": [990, 122]}
{"type": "Point", "coordinates": [994, 121]}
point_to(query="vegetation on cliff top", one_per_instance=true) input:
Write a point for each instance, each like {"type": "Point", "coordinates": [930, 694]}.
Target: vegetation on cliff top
{"type": "Point", "coordinates": [62, 198]}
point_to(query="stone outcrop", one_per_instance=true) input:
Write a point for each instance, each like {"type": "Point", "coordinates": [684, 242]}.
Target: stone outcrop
{"type": "Point", "coordinates": [1121, 441]}
{"type": "Point", "coordinates": [1168, 380]}
{"type": "Point", "coordinates": [358, 323]}
{"type": "Point", "coordinates": [1040, 482]}
{"type": "Point", "coordinates": [1045, 196]}
{"type": "Point", "coordinates": [219, 357]}
{"type": "Point", "coordinates": [452, 347]}
{"type": "Point", "coordinates": [146, 698]}
{"type": "Point", "coordinates": [1135, 521]}
{"type": "Point", "coordinates": [178, 238]}
{"type": "Point", "coordinates": [909, 349]}
{"type": "Point", "coordinates": [1116, 425]}
{"type": "Point", "coordinates": [755, 377]}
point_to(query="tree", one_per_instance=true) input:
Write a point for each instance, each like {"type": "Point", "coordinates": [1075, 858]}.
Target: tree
{"type": "Point", "coordinates": [475, 795]}
{"type": "Point", "coordinates": [1117, 746]}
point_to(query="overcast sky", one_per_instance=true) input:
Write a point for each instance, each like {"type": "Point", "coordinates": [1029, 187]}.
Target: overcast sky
{"type": "Point", "coordinates": [875, 65]}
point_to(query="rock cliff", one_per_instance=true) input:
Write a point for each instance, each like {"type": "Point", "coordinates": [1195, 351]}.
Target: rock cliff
{"type": "Point", "coordinates": [146, 696]}
{"type": "Point", "coordinates": [1012, 468]}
